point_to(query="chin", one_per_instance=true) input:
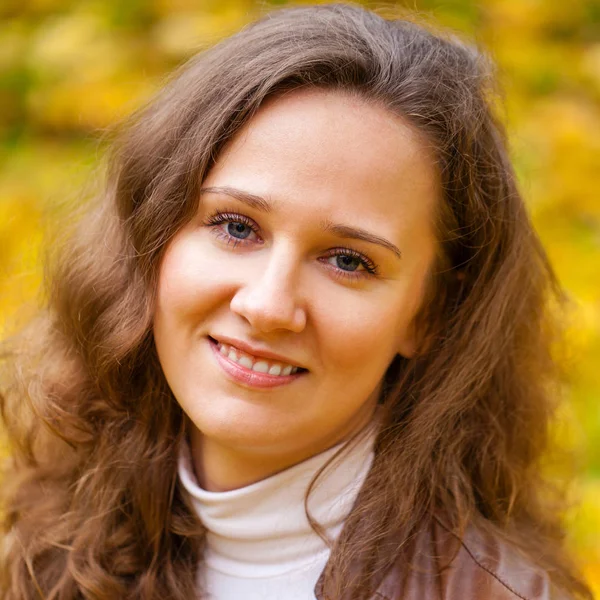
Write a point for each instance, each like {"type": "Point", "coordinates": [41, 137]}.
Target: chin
{"type": "Point", "coordinates": [242, 428]}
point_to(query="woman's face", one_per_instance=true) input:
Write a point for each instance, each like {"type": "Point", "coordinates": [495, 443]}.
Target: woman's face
{"type": "Point", "coordinates": [309, 251]}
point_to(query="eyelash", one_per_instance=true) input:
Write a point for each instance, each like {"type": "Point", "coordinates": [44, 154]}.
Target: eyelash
{"type": "Point", "coordinates": [219, 218]}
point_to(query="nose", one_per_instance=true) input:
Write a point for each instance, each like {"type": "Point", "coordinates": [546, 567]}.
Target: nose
{"type": "Point", "coordinates": [268, 298]}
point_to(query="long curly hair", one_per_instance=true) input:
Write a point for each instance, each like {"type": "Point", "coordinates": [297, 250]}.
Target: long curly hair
{"type": "Point", "coordinates": [92, 507]}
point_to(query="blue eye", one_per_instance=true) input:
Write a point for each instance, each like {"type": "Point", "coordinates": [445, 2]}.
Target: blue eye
{"type": "Point", "coordinates": [238, 230]}
{"type": "Point", "coordinates": [233, 228]}
{"type": "Point", "coordinates": [350, 264]}
{"type": "Point", "coordinates": [347, 262]}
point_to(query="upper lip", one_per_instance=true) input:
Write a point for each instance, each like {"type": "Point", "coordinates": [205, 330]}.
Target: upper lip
{"type": "Point", "coordinates": [255, 351]}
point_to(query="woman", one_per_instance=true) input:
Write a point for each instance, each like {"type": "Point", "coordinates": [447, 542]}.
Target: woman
{"type": "Point", "coordinates": [300, 347]}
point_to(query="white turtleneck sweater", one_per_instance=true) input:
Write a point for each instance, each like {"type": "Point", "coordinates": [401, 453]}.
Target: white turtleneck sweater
{"type": "Point", "coordinates": [260, 545]}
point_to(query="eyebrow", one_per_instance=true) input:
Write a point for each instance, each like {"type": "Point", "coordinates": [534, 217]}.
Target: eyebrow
{"type": "Point", "coordinates": [343, 231]}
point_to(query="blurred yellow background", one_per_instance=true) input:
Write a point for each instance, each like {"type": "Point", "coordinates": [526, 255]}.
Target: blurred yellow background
{"type": "Point", "coordinates": [70, 70]}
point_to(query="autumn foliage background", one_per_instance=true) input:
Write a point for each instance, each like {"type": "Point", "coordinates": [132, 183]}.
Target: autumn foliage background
{"type": "Point", "coordinates": [71, 70]}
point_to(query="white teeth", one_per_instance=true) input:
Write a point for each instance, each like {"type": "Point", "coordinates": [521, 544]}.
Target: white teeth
{"type": "Point", "coordinates": [259, 366]}
{"type": "Point", "coordinates": [275, 370]}
{"type": "Point", "coordinates": [245, 362]}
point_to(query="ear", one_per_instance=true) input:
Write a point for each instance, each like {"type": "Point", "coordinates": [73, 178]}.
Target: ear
{"type": "Point", "coordinates": [417, 338]}
{"type": "Point", "coordinates": [426, 324]}
{"type": "Point", "coordinates": [408, 343]}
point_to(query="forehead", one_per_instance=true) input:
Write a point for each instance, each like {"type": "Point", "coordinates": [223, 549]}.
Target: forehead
{"type": "Point", "coordinates": [335, 156]}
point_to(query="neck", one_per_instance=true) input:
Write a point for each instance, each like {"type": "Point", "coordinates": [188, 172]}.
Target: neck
{"type": "Point", "coordinates": [268, 529]}
{"type": "Point", "coordinates": [222, 468]}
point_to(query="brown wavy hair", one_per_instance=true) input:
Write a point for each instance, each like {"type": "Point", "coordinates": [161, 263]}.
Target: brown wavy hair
{"type": "Point", "coordinates": [92, 507]}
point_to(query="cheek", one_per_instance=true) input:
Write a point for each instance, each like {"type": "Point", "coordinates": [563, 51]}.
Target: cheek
{"type": "Point", "coordinates": [190, 281]}
{"type": "Point", "coordinates": [362, 337]}
{"type": "Point", "coordinates": [366, 332]}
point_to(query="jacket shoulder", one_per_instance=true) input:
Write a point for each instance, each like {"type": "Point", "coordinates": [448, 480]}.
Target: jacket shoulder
{"type": "Point", "coordinates": [478, 566]}
{"type": "Point", "coordinates": [486, 567]}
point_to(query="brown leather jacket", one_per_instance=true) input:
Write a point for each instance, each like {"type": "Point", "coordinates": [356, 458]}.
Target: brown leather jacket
{"type": "Point", "coordinates": [483, 568]}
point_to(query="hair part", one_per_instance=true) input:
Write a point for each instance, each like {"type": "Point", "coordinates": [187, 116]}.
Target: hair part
{"type": "Point", "coordinates": [94, 508]}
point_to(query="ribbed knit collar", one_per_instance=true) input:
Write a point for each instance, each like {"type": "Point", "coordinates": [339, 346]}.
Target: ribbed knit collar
{"type": "Point", "coordinates": [261, 530]}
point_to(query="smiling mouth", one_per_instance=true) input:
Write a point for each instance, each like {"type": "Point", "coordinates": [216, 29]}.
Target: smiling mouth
{"type": "Point", "coordinates": [255, 364]}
